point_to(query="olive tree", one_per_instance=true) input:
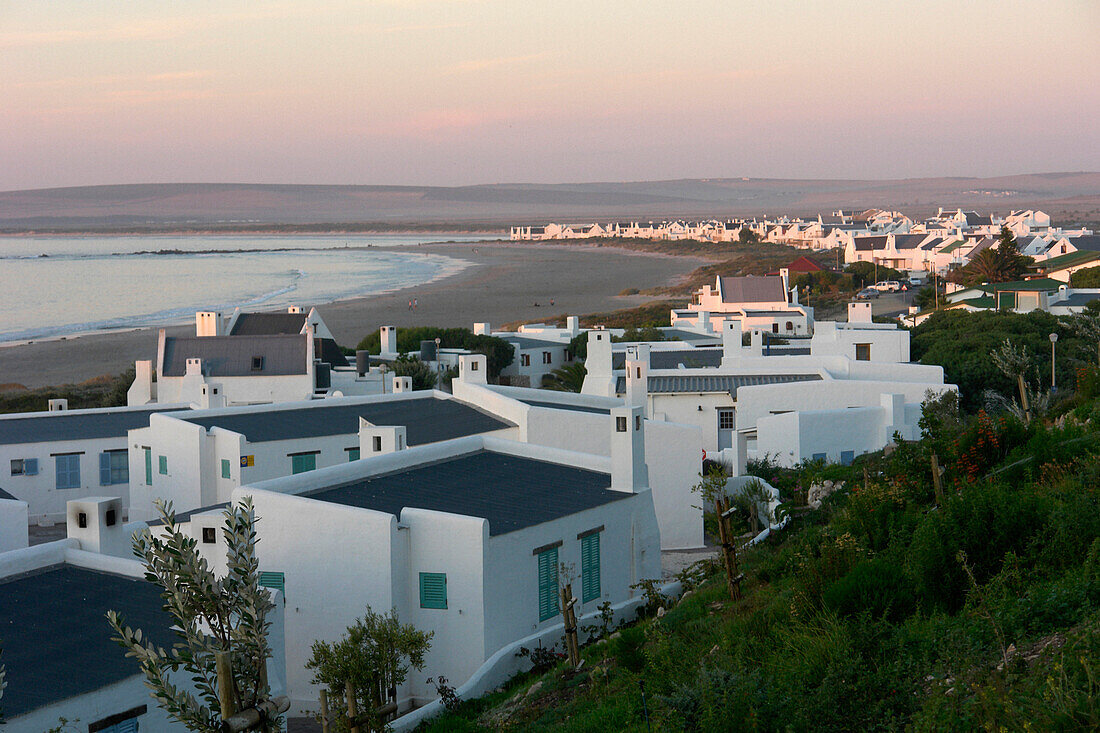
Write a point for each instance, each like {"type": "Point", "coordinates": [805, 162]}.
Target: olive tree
{"type": "Point", "coordinates": [374, 656]}
{"type": "Point", "coordinates": [211, 615]}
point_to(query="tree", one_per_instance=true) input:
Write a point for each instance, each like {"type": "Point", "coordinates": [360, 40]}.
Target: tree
{"type": "Point", "coordinates": [999, 264]}
{"type": "Point", "coordinates": [1086, 278]}
{"type": "Point", "coordinates": [748, 236]}
{"type": "Point", "coordinates": [568, 378]}
{"type": "Point", "coordinates": [375, 656]}
{"type": "Point", "coordinates": [211, 616]}
{"type": "Point", "coordinates": [423, 376]}
{"type": "Point", "coordinates": [498, 352]}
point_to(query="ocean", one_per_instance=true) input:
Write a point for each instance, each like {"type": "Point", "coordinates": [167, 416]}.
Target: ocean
{"type": "Point", "coordinates": [53, 287]}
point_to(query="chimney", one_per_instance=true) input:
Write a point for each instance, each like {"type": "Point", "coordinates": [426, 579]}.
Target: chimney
{"type": "Point", "coordinates": [141, 390]}
{"type": "Point", "coordinates": [573, 325]}
{"type": "Point", "coordinates": [374, 440]}
{"type": "Point", "coordinates": [482, 329]}
{"type": "Point", "coordinates": [194, 367]}
{"type": "Point", "coordinates": [58, 405]}
{"type": "Point", "coordinates": [704, 321]}
{"type": "Point", "coordinates": [637, 376]}
{"type": "Point", "coordinates": [389, 340]}
{"type": "Point", "coordinates": [786, 275]}
{"type": "Point", "coordinates": [473, 368]}
{"type": "Point", "coordinates": [208, 323]}
{"type": "Point", "coordinates": [96, 522]}
{"type": "Point", "coordinates": [211, 395]}
{"type": "Point", "coordinates": [756, 342]}
{"type": "Point", "coordinates": [294, 309]}
{"type": "Point", "coordinates": [731, 339]}
{"type": "Point", "coordinates": [859, 312]}
{"type": "Point", "coordinates": [402, 384]}
{"type": "Point", "coordinates": [628, 469]}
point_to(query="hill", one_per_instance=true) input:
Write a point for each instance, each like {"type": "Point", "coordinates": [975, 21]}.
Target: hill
{"type": "Point", "coordinates": [1067, 196]}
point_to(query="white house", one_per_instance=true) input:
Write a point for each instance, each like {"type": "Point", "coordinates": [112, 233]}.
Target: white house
{"type": "Point", "coordinates": [767, 303]}
{"type": "Point", "coordinates": [199, 459]}
{"type": "Point", "coordinates": [58, 653]}
{"type": "Point", "coordinates": [464, 538]}
{"type": "Point", "coordinates": [48, 458]}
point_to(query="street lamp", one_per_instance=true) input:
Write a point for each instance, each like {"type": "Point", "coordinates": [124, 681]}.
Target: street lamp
{"type": "Point", "coordinates": [1053, 341]}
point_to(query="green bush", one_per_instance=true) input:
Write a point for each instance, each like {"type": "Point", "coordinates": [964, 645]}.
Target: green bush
{"type": "Point", "coordinates": [499, 353]}
{"type": "Point", "coordinates": [876, 587]}
{"type": "Point", "coordinates": [627, 648]}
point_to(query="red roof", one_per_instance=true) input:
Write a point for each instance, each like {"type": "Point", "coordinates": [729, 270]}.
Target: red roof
{"type": "Point", "coordinates": [803, 264]}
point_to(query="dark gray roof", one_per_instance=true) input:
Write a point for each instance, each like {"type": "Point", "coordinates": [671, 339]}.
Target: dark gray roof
{"type": "Point", "coordinates": [1077, 299]}
{"type": "Point", "coordinates": [750, 289]}
{"type": "Point", "coordinates": [511, 492]}
{"type": "Point", "coordinates": [867, 244]}
{"type": "Point", "coordinates": [568, 406]}
{"type": "Point", "coordinates": [526, 342]}
{"type": "Point", "coordinates": [49, 427]}
{"type": "Point", "coordinates": [765, 314]}
{"type": "Point", "coordinates": [1089, 243]}
{"type": "Point", "coordinates": [716, 383]}
{"type": "Point", "coordinates": [57, 643]}
{"type": "Point", "coordinates": [427, 420]}
{"type": "Point", "coordinates": [679, 334]}
{"type": "Point", "coordinates": [908, 241]}
{"type": "Point", "coordinates": [231, 356]}
{"type": "Point", "coordinates": [974, 220]}
{"type": "Point", "coordinates": [690, 358]}
{"type": "Point", "coordinates": [268, 324]}
{"type": "Point", "coordinates": [6, 495]}
{"type": "Point", "coordinates": [329, 352]}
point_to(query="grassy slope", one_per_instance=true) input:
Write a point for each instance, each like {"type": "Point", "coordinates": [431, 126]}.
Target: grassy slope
{"type": "Point", "coordinates": [99, 392]}
{"type": "Point", "coordinates": [862, 615]}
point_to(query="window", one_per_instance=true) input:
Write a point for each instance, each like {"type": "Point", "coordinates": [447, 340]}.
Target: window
{"type": "Point", "coordinates": [148, 466]}
{"type": "Point", "coordinates": [24, 467]}
{"type": "Point", "coordinates": [82, 520]}
{"type": "Point", "coordinates": [620, 424]}
{"type": "Point", "coordinates": [209, 535]}
{"type": "Point", "coordinates": [257, 363]}
{"type": "Point", "coordinates": [847, 456]}
{"type": "Point", "coordinates": [820, 457]}
{"type": "Point", "coordinates": [433, 590]}
{"type": "Point", "coordinates": [225, 468]}
{"type": "Point", "coordinates": [303, 462]}
{"type": "Point", "coordinates": [790, 326]}
{"type": "Point", "coordinates": [114, 467]}
{"type": "Point", "coordinates": [725, 419]}
{"type": "Point", "coordinates": [637, 422]}
{"type": "Point", "coordinates": [525, 360]}
{"type": "Point", "coordinates": [126, 722]}
{"type": "Point", "coordinates": [548, 584]}
{"type": "Point", "coordinates": [590, 567]}
{"type": "Point", "coordinates": [377, 443]}
{"type": "Point", "coordinates": [863, 352]}
{"type": "Point", "coordinates": [273, 580]}
{"type": "Point", "coordinates": [353, 454]}
{"type": "Point", "coordinates": [109, 517]}
{"type": "Point", "coordinates": [473, 366]}
{"type": "Point", "coordinates": [68, 471]}
{"type": "Point", "coordinates": [775, 328]}
{"type": "Point", "coordinates": [547, 358]}
{"type": "Point", "coordinates": [162, 465]}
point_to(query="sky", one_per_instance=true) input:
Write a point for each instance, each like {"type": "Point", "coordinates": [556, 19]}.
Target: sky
{"type": "Point", "coordinates": [454, 92]}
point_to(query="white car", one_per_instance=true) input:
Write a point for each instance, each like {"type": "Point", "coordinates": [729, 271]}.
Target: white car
{"type": "Point", "coordinates": [887, 286]}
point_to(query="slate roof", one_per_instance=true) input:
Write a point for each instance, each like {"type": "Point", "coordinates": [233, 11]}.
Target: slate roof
{"type": "Point", "coordinates": [1077, 299]}
{"type": "Point", "coordinates": [50, 427]}
{"type": "Point", "coordinates": [568, 406]}
{"type": "Point", "coordinates": [868, 244]}
{"type": "Point", "coordinates": [426, 420]}
{"type": "Point", "coordinates": [512, 492]}
{"type": "Point", "coordinates": [690, 358]}
{"type": "Point", "coordinates": [269, 324]}
{"type": "Point", "coordinates": [7, 496]}
{"type": "Point", "coordinates": [749, 289]}
{"type": "Point", "coordinates": [678, 334]}
{"type": "Point", "coordinates": [1089, 243]}
{"type": "Point", "coordinates": [57, 643]}
{"type": "Point", "coordinates": [974, 220]}
{"type": "Point", "coordinates": [671, 384]}
{"type": "Point", "coordinates": [526, 342]}
{"type": "Point", "coordinates": [908, 241]}
{"type": "Point", "coordinates": [231, 356]}
{"type": "Point", "coordinates": [327, 351]}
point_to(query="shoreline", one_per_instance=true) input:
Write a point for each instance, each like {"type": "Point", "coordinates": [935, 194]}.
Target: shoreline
{"type": "Point", "coordinates": [503, 281]}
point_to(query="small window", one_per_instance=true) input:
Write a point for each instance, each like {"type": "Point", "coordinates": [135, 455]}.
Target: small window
{"type": "Point", "coordinates": [847, 456]}
{"type": "Point", "coordinates": [790, 326]}
{"type": "Point", "coordinates": [225, 468]}
{"type": "Point", "coordinates": [775, 328]}
{"type": "Point", "coordinates": [377, 442]}
{"type": "Point", "coordinates": [162, 465]}
{"type": "Point", "coordinates": [863, 352]}
{"type": "Point", "coordinates": [725, 419]}
{"type": "Point", "coordinates": [433, 590]}
{"type": "Point", "coordinates": [68, 471]}
{"type": "Point", "coordinates": [637, 422]}
{"type": "Point", "coordinates": [257, 363]}
{"type": "Point", "coordinates": [620, 424]}
{"type": "Point", "coordinates": [525, 360]}
{"type": "Point", "coordinates": [110, 517]}
{"type": "Point", "coordinates": [547, 358]}
{"type": "Point", "coordinates": [303, 462]}
{"type": "Point", "coordinates": [353, 454]}
{"type": "Point", "coordinates": [114, 467]}
{"type": "Point", "coordinates": [17, 467]}
{"type": "Point", "coordinates": [474, 366]}
{"type": "Point", "coordinates": [819, 457]}
{"type": "Point", "coordinates": [82, 520]}
{"type": "Point", "coordinates": [209, 535]}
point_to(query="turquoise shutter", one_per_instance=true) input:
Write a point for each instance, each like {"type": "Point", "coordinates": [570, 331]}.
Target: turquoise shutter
{"type": "Point", "coordinates": [433, 590]}
{"type": "Point", "coordinates": [104, 469]}
{"type": "Point", "coordinates": [225, 468]}
{"type": "Point", "coordinates": [590, 568]}
{"type": "Point", "coordinates": [273, 580]}
{"type": "Point", "coordinates": [548, 584]}
{"type": "Point", "coordinates": [148, 467]}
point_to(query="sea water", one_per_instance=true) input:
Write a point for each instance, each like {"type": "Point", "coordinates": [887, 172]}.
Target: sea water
{"type": "Point", "coordinates": [52, 287]}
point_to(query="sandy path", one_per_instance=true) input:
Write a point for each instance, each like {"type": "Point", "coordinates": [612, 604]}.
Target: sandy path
{"type": "Point", "coordinates": [502, 284]}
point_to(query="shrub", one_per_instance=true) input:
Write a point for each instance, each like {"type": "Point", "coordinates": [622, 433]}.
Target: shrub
{"type": "Point", "coordinates": [627, 648]}
{"type": "Point", "coordinates": [877, 587]}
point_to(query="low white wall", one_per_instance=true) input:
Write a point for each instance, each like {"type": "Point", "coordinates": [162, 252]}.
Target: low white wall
{"type": "Point", "coordinates": [13, 524]}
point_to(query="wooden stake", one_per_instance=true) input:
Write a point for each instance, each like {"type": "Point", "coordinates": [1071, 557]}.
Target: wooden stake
{"type": "Point", "coordinates": [937, 483]}
{"type": "Point", "coordinates": [225, 684]}
{"type": "Point", "coordinates": [1023, 397]}
{"type": "Point", "coordinates": [729, 552]}
{"type": "Point", "coordinates": [569, 616]}
{"type": "Point", "coordinates": [324, 710]}
{"type": "Point", "coordinates": [353, 709]}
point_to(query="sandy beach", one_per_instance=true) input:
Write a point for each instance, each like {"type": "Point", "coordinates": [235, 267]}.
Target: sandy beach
{"type": "Point", "coordinates": [502, 283]}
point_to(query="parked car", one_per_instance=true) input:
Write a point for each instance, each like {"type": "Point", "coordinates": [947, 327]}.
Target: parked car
{"type": "Point", "coordinates": [887, 286]}
{"type": "Point", "coordinates": [867, 294]}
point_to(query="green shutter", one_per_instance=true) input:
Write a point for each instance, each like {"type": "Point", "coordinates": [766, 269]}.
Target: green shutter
{"type": "Point", "coordinates": [163, 461]}
{"type": "Point", "coordinates": [225, 468]}
{"type": "Point", "coordinates": [273, 580]}
{"type": "Point", "coordinates": [548, 584]}
{"type": "Point", "coordinates": [353, 454]}
{"type": "Point", "coordinates": [590, 567]}
{"type": "Point", "coordinates": [148, 467]}
{"type": "Point", "coordinates": [433, 590]}
{"type": "Point", "coordinates": [303, 462]}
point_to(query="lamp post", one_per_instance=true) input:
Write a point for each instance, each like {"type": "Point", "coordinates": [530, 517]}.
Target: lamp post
{"type": "Point", "coordinates": [1053, 341]}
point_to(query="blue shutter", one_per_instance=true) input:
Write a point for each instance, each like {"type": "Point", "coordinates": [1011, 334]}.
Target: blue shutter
{"type": "Point", "coordinates": [820, 457]}
{"type": "Point", "coordinates": [590, 567]}
{"type": "Point", "coordinates": [847, 456]}
{"type": "Point", "coordinates": [104, 469]}
{"type": "Point", "coordinates": [433, 590]}
{"type": "Point", "coordinates": [548, 584]}
{"type": "Point", "coordinates": [30, 466]}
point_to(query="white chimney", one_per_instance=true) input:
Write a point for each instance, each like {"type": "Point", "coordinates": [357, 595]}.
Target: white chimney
{"type": "Point", "coordinates": [731, 340]}
{"type": "Point", "coordinates": [374, 440]}
{"type": "Point", "coordinates": [786, 275]}
{"type": "Point", "coordinates": [389, 340]}
{"type": "Point", "coordinates": [58, 405]}
{"type": "Point", "coordinates": [637, 376]}
{"type": "Point", "coordinates": [482, 329]}
{"type": "Point", "coordinates": [402, 384]}
{"type": "Point", "coordinates": [194, 367]}
{"type": "Point", "coordinates": [473, 368]}
{"type": "Point", "coordinates": [141, 391]}
{"type": "Point", "coordinates": [859, 312]}
{"type": "Point", "coordinates": [598, 363]}
{"type": "Point", "coordinates": [295, 309]}
{"type": "Point", "coordinates": [704, 321]}
{"type": "Point", "coordinates": [573, 325]}
{"type": "Point", "coordinates": [96, 522]}
{"type": "Point", "coordinates": [208, 323]}
{"type": "Point", "coordinates": [628, 469]}
{"type": "Point", "coordinates": [756, 342]}
{"type": "Point", "coordinates": [211, 395]}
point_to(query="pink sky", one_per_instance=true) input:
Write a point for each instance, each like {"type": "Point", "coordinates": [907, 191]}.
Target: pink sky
{"type": "Point", "coordinates": [449, 92]}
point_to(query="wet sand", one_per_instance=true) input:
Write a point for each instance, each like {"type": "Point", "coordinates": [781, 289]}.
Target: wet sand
{"type": "Point", "coordinates": [502, 284]}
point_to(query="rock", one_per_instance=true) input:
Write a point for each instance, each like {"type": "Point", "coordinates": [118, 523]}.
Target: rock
{"type": "Point", "coordinates": [685, 595]}
{"type": "Point", "coordinates": [714, 650]}
{"type": "Point", "coordinates": [660, 611]}
{"type": "Point", "coordinates": [615, 635]}
{"type": "Point", "coordinates": [716, 606]}
{"type": "Point", "coordinates": [533, 689]}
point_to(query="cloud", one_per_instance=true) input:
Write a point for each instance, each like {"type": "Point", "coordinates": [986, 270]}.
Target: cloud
{"type": "Point", "coordinates": [491, 63]}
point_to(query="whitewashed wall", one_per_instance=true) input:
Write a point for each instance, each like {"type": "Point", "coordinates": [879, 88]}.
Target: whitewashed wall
{"type": "Point", "coordinates": [13, 524]}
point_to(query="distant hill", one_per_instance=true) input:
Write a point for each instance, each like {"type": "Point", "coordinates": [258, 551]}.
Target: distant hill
{"type": "Point", "coordinates": [1068, 196]}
